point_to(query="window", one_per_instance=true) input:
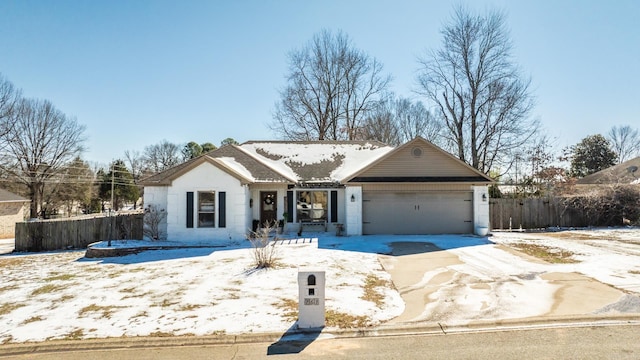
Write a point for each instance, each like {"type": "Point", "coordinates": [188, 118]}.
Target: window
{"type": "Point", "coordinates": [206, 209]}
{"type": "Point", "coordinates": [311, 206]}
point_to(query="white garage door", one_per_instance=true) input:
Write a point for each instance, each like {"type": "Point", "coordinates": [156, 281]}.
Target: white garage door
{"type": "Point", "coordinates": [417, 213]}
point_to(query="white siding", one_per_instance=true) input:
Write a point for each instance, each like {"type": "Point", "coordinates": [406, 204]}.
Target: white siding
{"type": "Point", "coordinates": [156, 196]}
{"type": "Point", "coordinates": [207, 177]}
{"type": "Point", "coordinates": [353, 210]}
{"type": "Point", "coordinates": [480, 208]}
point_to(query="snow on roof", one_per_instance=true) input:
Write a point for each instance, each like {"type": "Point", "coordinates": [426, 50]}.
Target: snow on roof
{"type": "Point", "coordinates": [316, 161]}
{"type": "Point", "coordinates": [232, 164]}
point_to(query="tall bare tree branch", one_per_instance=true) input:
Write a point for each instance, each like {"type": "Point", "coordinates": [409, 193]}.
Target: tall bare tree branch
{"type": "Point", "coordinates": [477, 91]}
{"type": "Point", "coordinates": [625, 142]}
{"type": "Point", "coordinates": [330, 87]}
{"type": "Point", "coordinates": [39, 146]}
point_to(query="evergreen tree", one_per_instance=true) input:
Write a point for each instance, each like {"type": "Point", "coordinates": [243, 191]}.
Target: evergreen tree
{"type": "Point", "coordinates": [591, 155]}
{"type": "Point", "coordinates": [76, 186]}
{"type": "Point", "coordinates": [228, 141]}
{"type": "Point", "coordinates": [121, 180]}
{"type": "Point", "coordinates": [206, 147]}
{"type": "Point", "coordinates": [191, 150]}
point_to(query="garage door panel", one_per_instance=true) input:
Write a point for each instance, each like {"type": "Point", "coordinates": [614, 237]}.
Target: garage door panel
{"type": "Point", "coordinates": [417, 213]}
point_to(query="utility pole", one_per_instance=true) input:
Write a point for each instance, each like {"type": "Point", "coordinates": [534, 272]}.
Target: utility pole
{"type": "Point", "coordinates": [112, 184]}
{"type": "Point", "coordinates": [111, 207]}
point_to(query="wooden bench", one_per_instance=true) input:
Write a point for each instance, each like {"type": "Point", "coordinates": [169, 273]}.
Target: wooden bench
{"type": "Point", "coordinates": [309, 222]}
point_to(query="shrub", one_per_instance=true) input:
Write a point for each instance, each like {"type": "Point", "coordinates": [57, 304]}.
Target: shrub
{"type": "Point", "coordinates": [611, 206]}
{"type": "Point", "coordinates": [153, 218]}
{"type": "Point", "coordinates": [265, 251]}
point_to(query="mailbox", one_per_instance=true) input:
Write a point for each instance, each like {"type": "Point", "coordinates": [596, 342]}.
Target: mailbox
{"type": "Point", "coordinates": [310, 299]}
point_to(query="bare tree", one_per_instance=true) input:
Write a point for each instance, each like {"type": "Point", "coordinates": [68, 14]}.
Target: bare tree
{"type": "Point", "coordinates": [381, 123]}
{"type": "Point", "coordinates": [331, 86]}
{"type": "Point", "coordinates": [39, 146]}
{"type": "Point", "coordinates": [396, 120]}
{"type": "Point", "coordinates": [162, 156]}
{"type": "Point", "coordinates": [153, 220]}
{"type": "Point", "coordinates": [9, 98]}
{"type": "Point", "coordinates": [415, 120]}
{"type": "Point", "coordinates": [477, 90]}
{"type": "Point", "coordinates": [625, 142]}
{"type": "Point", "coordinates": [135, 162]}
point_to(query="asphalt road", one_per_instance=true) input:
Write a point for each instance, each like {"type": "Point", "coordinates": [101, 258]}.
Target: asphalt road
{"type": "Point", "coordinates": [589, 342]}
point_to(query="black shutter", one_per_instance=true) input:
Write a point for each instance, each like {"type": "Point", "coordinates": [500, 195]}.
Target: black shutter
{"type": "Point", "coordinates": [290, 207]}
{"type": "Point", "coordinates": [222, 209]}
{"type": "Point", "coordinates": [334, 206]}
{"type": "Point", "coordinates": [190, 209]}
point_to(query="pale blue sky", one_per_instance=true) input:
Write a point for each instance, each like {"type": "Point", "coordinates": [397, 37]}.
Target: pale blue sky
{"type": "Point", "coordinates": [136, 72]}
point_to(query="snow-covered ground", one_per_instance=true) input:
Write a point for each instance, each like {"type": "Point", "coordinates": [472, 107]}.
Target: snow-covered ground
{"type": "Point", "coordinates": [216, 290]}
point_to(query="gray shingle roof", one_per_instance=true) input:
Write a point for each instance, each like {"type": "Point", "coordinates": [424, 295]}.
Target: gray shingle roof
{"type": "Point", "coordinates": [259, 171]}
{"type": "Point", "coordinates": [617, 174]}
{"type": "Point", "coordinates": [7, 196]}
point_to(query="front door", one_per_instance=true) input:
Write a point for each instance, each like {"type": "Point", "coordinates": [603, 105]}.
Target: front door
{"type": "Point", "coordinates": [268, 207]}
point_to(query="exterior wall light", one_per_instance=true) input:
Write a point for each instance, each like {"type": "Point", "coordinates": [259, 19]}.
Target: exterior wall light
{"type": "Point", "coordinates": [484, 197]}
{"type": "Point", "coordinates": [353, 198]}
{"type": "Point", "coordinates": [250, 203]}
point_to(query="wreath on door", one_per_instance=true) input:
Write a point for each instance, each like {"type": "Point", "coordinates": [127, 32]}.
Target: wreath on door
{"type": "Point", "coordinates": [268, 200]}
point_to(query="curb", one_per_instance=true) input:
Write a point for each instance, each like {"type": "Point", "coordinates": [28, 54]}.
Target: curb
{"type": "Point", "coordinates": [405, 329]}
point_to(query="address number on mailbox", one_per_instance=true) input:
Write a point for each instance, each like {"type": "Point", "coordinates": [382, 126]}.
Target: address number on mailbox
{"type": "Point", "coordinates": [312, 301]}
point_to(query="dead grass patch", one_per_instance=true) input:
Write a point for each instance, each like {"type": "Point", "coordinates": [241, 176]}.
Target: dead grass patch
{"type": "Point", "coordinates": [371, 293]}
{"type": "Point", "coordinates": [140, 314]}
{"type": "Point", "coordinates": [33, 319]}
{"type": "Point", "coordinates": [568, 235]}
{"type": "Point", "coordinates": [7, 308]}
{"type": "Point", "coordinates": [345, 321]}
{"type": "Point", "coordinates": [135, 296]}
{"type": "Point", "coordinates": [13, 262]}
{"type": "Point", "coordinates": [105, 312]}
{"type": "Point", "coordinates": [232, 293]}
{"type": "Point", "coordinates": [63, 298]}
{"type": "Point", "coordinates": [634, 272]}
{"type": "Point", "coordinates": [60, 277]}
{"type": "Point", "coordinates": [47, 289]}
{"type": "Point", "coordinates": [7, 340]}
{"type": "Point", "coordinates": [290, 308]}
{"type": "Point", "coordinates": [161, 334]}
{"type": "Point", "coordinates": [9, 287]}
{"type": "Point", "coordinates": [332, 318]}
{"type": "Point", "coordinates": [74, 335]}
{"type": "Point", "coordinates": [548, 254]}
{"type": "Point", "coordinates": [165, 303]}
{"type": "Point", "coordinates": [115, 274]}
{"type": "Point", "coordinates": [189, 307]}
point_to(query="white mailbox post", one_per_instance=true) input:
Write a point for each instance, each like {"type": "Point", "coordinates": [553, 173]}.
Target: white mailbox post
{"type": "Point", "coordinates": [310, 299]}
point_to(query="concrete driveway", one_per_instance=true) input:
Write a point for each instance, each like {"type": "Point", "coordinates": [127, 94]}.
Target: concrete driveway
{"type": "Point", "coordinates": [493, 282]}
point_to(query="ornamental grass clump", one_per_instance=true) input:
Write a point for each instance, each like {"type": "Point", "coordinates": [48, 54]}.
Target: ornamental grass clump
{"type": "Point", "coordinates": [265, 250]}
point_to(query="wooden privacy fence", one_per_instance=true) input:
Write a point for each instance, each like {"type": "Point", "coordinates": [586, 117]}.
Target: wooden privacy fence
{"type": "Point", "coordinates": [50, 235]}
{"type": "Point", "coordinates": [533, 213]}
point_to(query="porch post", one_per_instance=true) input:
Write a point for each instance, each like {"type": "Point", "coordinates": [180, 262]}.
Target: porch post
{"type": "Point", "coordinates": [353, 210]}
